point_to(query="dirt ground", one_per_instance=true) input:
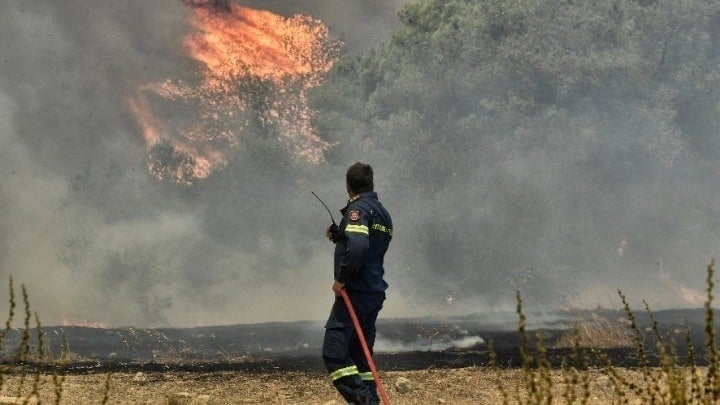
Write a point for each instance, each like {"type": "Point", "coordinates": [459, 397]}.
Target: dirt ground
{"type": "Point", "coordinates": [474, 385]}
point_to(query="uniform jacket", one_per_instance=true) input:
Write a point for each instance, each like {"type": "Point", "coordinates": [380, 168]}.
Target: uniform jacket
{"type": "Point", "coordinates": [365, 232]}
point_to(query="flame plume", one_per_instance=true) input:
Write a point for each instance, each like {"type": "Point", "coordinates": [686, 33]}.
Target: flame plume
{"type": "Point", "coordinates": [255, 68]}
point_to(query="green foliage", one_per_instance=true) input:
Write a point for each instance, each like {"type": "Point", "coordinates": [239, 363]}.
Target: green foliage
{"type": "Point", "coordinates": [512, 60]}
{"type": "Point", "coordinates": [535, 110]}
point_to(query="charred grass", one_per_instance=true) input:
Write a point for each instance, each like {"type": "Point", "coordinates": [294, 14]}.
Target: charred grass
{"type": "Point", "coordinates": [578, 367]}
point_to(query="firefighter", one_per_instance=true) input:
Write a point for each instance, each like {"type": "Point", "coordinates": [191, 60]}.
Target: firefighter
{"type": "Point", "coordinates": [361, 240]}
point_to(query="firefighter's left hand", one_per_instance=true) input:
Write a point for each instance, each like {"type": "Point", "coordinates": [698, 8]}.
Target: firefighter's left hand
{"type": "Point", "coordinates": [337, 287]}
{"type": "Point", "coordinates": [332, 233]}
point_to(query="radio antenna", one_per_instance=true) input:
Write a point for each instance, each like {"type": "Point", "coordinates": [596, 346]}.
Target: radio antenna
{"type": "Point", "coordinates": [326, 207]}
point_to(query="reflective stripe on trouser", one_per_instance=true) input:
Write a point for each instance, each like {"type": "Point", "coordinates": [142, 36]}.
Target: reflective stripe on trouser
{"type": "Point", "coordinates": [369, 382]}
{"type": "Point", "coordinates": [344, 372]}
{"type": "Point", "coordinates": [367, 376]}
{"type": "Point", "coordinates": [345, 378]}
{"type": "Point", "coordinates": [342, 352]}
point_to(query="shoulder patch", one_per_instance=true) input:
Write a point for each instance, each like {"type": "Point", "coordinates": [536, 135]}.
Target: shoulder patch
{"type": "Point", "coordinates": [354, 215]}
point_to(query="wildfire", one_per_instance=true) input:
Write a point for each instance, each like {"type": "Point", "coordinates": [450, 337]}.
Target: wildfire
{"type": "Point", "coordinates": [255, 68]}
{"type": "Point", "coordinates": [689, 295]}
{"type": "Point", "coordinates": [66, 321]}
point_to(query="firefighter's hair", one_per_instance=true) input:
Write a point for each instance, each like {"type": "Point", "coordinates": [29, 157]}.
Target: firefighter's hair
{"type": "Point", "coordinates": [359, 178]}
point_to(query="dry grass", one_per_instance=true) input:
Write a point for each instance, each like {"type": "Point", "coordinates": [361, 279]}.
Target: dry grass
{"type": "Point", "coordinates": [473, 385]}
{"type": "Point", "coordinates": [598, 333]}
{"type": "Point", "coordinates": [535, 383]}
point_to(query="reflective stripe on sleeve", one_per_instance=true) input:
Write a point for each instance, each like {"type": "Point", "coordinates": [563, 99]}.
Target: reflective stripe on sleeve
{"type": "Point", "coordinates": [343, 372]}
{"type": "Point", "coordinates": [382, 228]}
{"type": "Point", "coordinates": [363, 229]}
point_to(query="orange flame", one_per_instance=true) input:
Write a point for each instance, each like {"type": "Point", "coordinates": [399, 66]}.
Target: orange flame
{"type": "Point", "coordinates": [249, 59]}
{"type": "Point", "coordinates": [66, 321]}
{"type": "Point", "coordinates": [265, 43]}
{"type": "Point", "coordinates": [689, 295]}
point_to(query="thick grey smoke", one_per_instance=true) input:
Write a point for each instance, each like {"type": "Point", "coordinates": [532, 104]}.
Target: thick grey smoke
{"type": "Point", "coordinates": [565, 200]}
{"type": "Point", "coordinates": [97, 239]}
{"type": "Point", "coordinates": [357, 23]}
{"type": "Point", "coordinates": [91, 234]}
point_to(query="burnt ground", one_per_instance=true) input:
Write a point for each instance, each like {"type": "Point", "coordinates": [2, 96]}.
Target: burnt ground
{"type": "Point", "coordinates": [403, 344]}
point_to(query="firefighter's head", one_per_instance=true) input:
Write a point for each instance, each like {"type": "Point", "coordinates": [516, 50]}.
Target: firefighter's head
{"type": "Point", "coordinates": [359, 179]}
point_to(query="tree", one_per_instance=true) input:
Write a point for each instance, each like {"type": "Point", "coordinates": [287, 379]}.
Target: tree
{"type": "Point", "coordinates": [529, 127]}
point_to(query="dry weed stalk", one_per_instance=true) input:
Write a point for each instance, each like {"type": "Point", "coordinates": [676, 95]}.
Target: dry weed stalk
{"type": "Point", "coordinates": [527, 358]}
{"type": "Point", "coordinates": [8, 322]}
{"type": "Point", "coordinates": [106, 389]}
{"type": "Point", "coordinates": [39, 357]}
{"type": "Point", "coordinates": [58, 376]}
{"type": "Point", "coordinates": [711, 382]}
{"type": "Point", "coordinates": [499, 381]}
{"type": "Point", "coordinates": [599, 333]}
{"type": "Point", "coordinates": [668, 383]}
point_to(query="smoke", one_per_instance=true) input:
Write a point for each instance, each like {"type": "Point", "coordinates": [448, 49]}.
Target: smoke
{"type": "Point", "coordinates": [517, 169]}
{"type": "Point", "coordinates": [428, 344]}
{"type": "Point", "coordinates": [97, 239]}
{"type": "Point", "coordinates": [357, 23]}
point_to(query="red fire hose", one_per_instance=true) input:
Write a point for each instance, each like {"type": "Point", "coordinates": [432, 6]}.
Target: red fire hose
{"type": "Point", "coordinates": [368, 356]}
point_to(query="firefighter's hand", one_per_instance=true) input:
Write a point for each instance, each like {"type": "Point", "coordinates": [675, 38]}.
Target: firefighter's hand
{"type": "Point", "coordinates": [337, 287]}
{"type": "Point", "coordinates": [332, 233]}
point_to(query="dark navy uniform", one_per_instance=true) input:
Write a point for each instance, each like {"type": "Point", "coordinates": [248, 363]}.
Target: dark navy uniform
{"type": "Point", "coordinates": [364, 235]}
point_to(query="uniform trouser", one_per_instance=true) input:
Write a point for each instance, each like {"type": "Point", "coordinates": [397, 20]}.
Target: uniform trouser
{"type": "Point", "coordinates": [342, 351]}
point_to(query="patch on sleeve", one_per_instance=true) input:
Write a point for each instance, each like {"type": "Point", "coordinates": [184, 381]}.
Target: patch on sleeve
{"type": "Point", "coordinates": [354, 215]}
